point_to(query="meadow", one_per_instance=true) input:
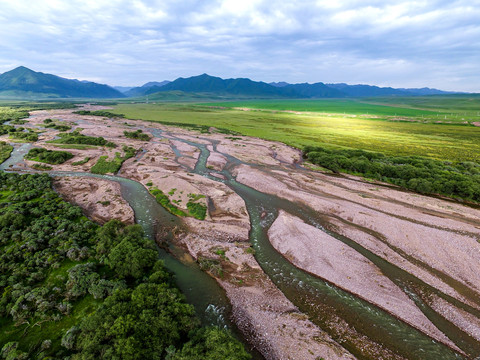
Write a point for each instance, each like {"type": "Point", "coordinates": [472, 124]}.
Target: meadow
{"type": "Point", "coordinates": [393, 126]}
{"type": "Point", "coordinates": [455, 109]}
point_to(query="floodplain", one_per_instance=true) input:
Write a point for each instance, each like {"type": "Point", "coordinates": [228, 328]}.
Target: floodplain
{"type": "Point", "coordinates": [392, 126]}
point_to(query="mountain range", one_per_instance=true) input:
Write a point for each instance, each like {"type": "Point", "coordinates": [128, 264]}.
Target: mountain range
{"type": "Point", "coordinates": [22, 82]}
{"type": "Point", "coordinates": [25, 83]}
{"type": "Point", "coordinates": [207, 84]}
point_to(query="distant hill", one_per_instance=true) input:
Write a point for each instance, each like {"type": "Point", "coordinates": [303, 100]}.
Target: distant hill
{"type": "Point", "coordinates": [370, 90]}
{"type": "Point", "coordinates": [279, 84]}
{"type": "Point", "coordinates": [317, 90]}
{"type": "Point", "coordinates": [142, 90]}
{"type": "Point", "coordinates": [429, 91]}
{"type": "Point", "coordinates": [123, 89]}
{"type": "Point", "coordinates": [23, 82]}
{"type": "Point", "coordinates": [210, 84]}
{"type": "Point", "coordinates": [156, 83]}
{"type": "Point", "coordinates": [367, 90]}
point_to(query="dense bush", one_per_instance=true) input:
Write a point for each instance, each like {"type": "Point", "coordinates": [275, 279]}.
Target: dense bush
{"type": "Point", "coordinates": [72, 289]}
{"type": "Point", "coordinates": [164, 200]}
{"type": "Point", "coordinates": [198, 211]}
{"type": "Point", "coordinates": [426, 176]}
{"type": "Point", "coordinates": [9, 114]}
{"type": "Point", "coordinates": [105, 166]}
{"type": "Point", "coordinates": [5, 151]}
{"type": "Point", "coordinates": [58, 126]}
{"type": "Point", "coordinates": [18, 133]}
{"type": "Point", "coordinates": [81, 162]}
{"type": "Point", "coordinates": [137, 135]}
{"type": "Point", "coordinates": [76, 137]}
{"type": "Point", "coordinates": [6, 129]}
{"type": "Point", "coordinates": [103, 113]}
{"type": "Point", "coordinates": [48, 156]}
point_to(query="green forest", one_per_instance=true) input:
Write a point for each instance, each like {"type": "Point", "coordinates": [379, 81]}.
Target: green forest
{"type": "Point", "coordinates": [426, 176]}
{"type": "Point", "coordinates": [72, 289]}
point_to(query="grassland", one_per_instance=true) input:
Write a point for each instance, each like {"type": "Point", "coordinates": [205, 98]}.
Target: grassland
{"type": "Point", "coordinates": [434, 109]}
{"type": "Point", "coordinates": [336, 123]}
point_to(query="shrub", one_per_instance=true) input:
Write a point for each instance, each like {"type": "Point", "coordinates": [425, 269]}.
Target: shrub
{"type": "Point", "coordinates": [48, 156]}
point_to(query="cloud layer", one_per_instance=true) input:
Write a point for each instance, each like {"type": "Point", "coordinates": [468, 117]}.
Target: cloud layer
{"type": "Point", "coordinates": [119, 42]}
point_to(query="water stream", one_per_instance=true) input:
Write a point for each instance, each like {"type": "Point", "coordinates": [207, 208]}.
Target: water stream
{"type": "Point", "coordinates": [320, 300]}
{"type": "Point", "coordinates": [201, 290]}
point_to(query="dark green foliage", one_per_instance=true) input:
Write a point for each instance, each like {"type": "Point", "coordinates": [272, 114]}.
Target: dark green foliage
{"type": "Point", "coordinates": [163, 200]}
{"type": "Point", "coordinates": [103, 113]}
{"type": "Point", "coordinates": [426, 176]}
{"type": "Point", "coordinates": [48, 156]}
{"type": "Point", "coordinates": [137, 135]}
{"type": "Point", "coordinates": [211, 344]}
{"type": "Point", "coordinates": [139, 323]}
{"type": "Point", "coordinates": [81, 162]}
{"type": "Point", "coordinates": [41, 167]}
{"type": "Point", "coordinates": [77, 138]}
{"type": "Point", "coordinates": [104, 166]}
{"type": "Point", "coordinates": [198, 211]}
{"type": "Point", "coordinates": [133, 256]}
{"type": "Point", "coordinates": [6, 129]}
{"type": "Point", "coordinates": [58, 126]}
{"type": "Point", "coordinates": [73, 289]}
{"type": "Point", "coordinates": [18, 122]}
{"type": "Point", "coordinates": [5, 151]}
{"type": "Point", "coordinates": [30, 136]}
{"type": "Point", "coordinates": [18, 132]}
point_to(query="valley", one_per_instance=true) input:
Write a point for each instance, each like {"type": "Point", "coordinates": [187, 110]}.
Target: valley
{"type": "Point", "coordinates": [313, 264]}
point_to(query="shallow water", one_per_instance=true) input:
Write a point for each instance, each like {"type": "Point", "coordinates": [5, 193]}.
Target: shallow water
{"type": "Point", "coordinates": [321, 301]}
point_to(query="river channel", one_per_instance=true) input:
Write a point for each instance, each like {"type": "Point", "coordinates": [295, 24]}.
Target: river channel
{"type": "Point", "coordinates": [321, 301]}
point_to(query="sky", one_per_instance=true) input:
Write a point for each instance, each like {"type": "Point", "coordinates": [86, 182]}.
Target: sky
{"type": "Point", "coordinates": [117, 42]}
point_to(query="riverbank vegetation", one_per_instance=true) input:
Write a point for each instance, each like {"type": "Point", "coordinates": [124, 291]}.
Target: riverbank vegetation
{"type": "Point", "coordinates": [426, 176]}
{"type": "Point", "coordinates": [103, 113]}
{"type": "Point", "coordinates": [426, 144]}
{"type": "Point", "coordinates": [195, 209]}
{"type": "Point", "coordinates": [5, 151]}
{"type": "Point", "coordinates": [15, 111]}
{"type": "Point", "coordinates": [73, 289]}
{"type": "Point", "coordinates": [105, 166]}
{"type": "Point", "coordinates": [137, 135]}
{"type": "Point", "coordinates": [76, 137]}
{"type": "Point", "coordinates": [22, 136]}
{"type": "Point", "coordinates": [81, 162]}
{"type": "Point", "coordinates": [52, 157]}
{"type": "Point", "coordinates": [56, 125]}
{"type": "Point", "coordinates": [19, 133]}
{"type": "Point", "coordinates": [11, 114]}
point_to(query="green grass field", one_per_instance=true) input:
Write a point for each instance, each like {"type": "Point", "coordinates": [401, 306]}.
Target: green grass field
{"type": "Point", "coordinates": [423, 109]}
{"type": "Point", "coordinates": [341, 123]}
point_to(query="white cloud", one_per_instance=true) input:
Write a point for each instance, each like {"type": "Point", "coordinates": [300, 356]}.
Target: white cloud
{"type": "Point", "coordinates": [397, 43]}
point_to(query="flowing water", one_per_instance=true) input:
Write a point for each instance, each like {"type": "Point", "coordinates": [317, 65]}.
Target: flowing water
{"type": "Point", "coordinates": [201, 290]}
{"type": "Point", "coordinates": [321, 301]}
{"type": "Point", "coordinates": [317, 298]}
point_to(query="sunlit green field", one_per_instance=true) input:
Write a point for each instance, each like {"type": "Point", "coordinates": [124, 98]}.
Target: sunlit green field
{"type": "Point", "coordinates": [423, 109]}
{"type": "Point", "coordinates": [375, 131]}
